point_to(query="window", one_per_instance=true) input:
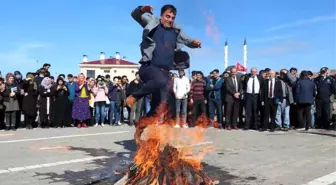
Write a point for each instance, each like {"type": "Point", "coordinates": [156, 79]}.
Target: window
{"type": "Point", "coordinates": [115, 71]}
{"type": "Point", "coordinates": [91, 73]}
{"type": "Point", "coordinates": [106, 71]}
{"type": "Point", "coordinates": [132, 71]}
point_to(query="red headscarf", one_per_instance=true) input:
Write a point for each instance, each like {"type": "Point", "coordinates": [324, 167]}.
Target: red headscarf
{"type": "Point", "coordinates": [79, 80]}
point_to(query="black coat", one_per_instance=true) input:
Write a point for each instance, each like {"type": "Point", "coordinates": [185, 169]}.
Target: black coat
{"type": "Point", "coordinates": [278, 95]}
{"type": "Point", "coordinates": [29, 99]}
{"type": "Point", "coordinates": [247, 78]}
{"type": "Point", "coordinates": [132, 87]}
{"type": "Point", "coordinates": [230, 89]}
{"type": "Point", "coordinates": [61, 108]}
{"type": "Point", "coordinates": [2, 106]}
{"type": "Point", "coordinates": [46, 102]}
{"type": "Point", "coordinates": [325, 88]}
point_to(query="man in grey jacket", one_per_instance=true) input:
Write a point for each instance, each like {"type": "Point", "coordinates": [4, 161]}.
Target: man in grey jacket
{"type": "Point", "coordinates": [161, 45]}
{"type": "Point", "coordinates": [282, 115]}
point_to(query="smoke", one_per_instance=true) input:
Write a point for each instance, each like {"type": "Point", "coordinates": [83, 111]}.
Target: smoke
{"type": "Point", "coordinates": [211, 28]}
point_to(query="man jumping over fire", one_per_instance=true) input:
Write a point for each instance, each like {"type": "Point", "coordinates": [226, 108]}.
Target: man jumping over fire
{"type": "Point", "coordinates": [161, 45]}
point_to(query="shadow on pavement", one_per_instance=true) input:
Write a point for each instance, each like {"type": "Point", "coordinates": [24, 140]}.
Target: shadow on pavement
{"type": "Point", "coordinates": [327, 133]}
{"type": "Point", "coordinates": [103, 170]}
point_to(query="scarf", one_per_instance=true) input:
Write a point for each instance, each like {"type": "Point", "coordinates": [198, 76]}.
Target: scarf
{"type": "Point", "coordinates": [80, 81]}
{"type": "Point", "coordinates": [46, 83]}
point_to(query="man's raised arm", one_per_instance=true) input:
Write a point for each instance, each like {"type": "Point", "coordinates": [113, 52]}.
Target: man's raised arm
{"type": "Point", "coordinates": [186, 40]}
{"type": "Point", "coordinates": [139, 15]}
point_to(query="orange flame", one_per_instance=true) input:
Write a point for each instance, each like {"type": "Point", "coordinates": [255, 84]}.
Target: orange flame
{"type": "Point", "coordinates": [155, 135]}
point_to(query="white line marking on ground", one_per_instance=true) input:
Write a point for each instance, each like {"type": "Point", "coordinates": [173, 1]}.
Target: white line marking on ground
{"type": "Point", "coordinates": [24, 168]}
{"type": "Point", "coordinates": [325, 180]}
{"type": "Point", "coordinates": [1, 135]}
{"type": "Point", "coordinates": [61, 137]}
{"type": "Point", "coordinates": [55, 147]}
{"type": "Point", "coordinates": [193, 145]}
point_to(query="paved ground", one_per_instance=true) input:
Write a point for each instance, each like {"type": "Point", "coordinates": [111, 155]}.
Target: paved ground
{"type": "Point", "coordinates": [78, 156]}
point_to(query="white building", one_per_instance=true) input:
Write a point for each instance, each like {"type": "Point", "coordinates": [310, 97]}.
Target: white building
{"type": "Point", "coordinates": [114, 66]}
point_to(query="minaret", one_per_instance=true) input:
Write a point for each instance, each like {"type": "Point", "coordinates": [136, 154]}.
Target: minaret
{"type": "Point", "coordinates": [245, 53]}
{"type": "Point", "coordinates": [226, 55]}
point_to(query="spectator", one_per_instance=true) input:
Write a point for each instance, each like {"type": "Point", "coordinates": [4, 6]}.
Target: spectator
{"type": "Point", "coordinates": [181, 89]}
{"type": "Point", "coordinates": [136, 108]}
{"type": "Point", "coordinates": [197, 97]}
{"type": "Point", "coordinates": [100, 92]}
{"type": "Point", "coordinates": [304, 93]}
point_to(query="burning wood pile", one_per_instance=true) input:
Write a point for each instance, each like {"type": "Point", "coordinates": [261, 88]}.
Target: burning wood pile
{"type": "Point", "coordinates": [166, 156]}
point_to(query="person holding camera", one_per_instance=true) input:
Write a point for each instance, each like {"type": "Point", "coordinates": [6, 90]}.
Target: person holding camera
{"type": "Point", "coordinates": [100, 92]}
{"type": "Point", "coordinates": [61, 115]}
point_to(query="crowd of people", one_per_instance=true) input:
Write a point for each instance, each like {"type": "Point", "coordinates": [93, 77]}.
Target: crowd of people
{"type": "Point", "coordinates": [264, 100]}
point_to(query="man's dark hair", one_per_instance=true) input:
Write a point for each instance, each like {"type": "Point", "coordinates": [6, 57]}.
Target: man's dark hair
{"type": "Point", "coordinates": [193, 73]}
{"type": "Point", "coordinates": [292, 69]}
{"type": "Point", "coordinates": [304, 74]}
{"type": "Point", "coordinates": [116, 77]}
{"type": "Point", "coordinates": [63, 75]}
{"type": "Point", "coordinates": [42, 71]}
{"type": "Point", "coordinates": [136, 73]}
{"type": "Point", "coordinates": [2, 79]}
{"type": "Point", "coordinates": [107, 76]}
{"type": "Point", "coordinates": [52, 77]}
{"type": "Point", "coordinates": [87, 78]}
{"type": "Point", "coordinates": [169, 7]}
{"type": "Point", "coordinates": [46, 64]}
{"type": "Point", "coordinates": [216, 71]}
{"type": "Point", "coordinates": [70, 76]}
{"type": "Point", "coordinates": [198, 73]}
{"type": "Point", "coordinates": [124, 76]}
{"type": "Point", "coordinates": [310, 73]}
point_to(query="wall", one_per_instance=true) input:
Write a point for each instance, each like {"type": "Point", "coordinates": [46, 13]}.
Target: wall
{"type": "Point", "coordinates": [129, 71]}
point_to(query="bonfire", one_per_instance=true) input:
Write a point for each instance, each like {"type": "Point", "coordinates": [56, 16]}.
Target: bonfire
{"type": "Point", "coordinates": [166, 155]}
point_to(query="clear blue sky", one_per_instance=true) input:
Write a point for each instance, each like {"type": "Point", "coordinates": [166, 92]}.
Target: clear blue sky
{"type": "Point", "coordinates": [280, 33]}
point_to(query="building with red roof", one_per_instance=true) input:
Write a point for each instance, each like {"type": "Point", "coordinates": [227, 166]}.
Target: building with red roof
{"type": "Point", "coordinates": [114, 66]}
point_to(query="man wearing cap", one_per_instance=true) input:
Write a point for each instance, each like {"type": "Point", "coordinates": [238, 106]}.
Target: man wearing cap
{"type": "Point", "coordinates": [325, 88]}
{"type": "Point", "coordinates": [161, 45]}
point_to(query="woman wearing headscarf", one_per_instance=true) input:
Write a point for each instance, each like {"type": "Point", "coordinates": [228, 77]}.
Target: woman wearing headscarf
{"type": "Point", "coordinates": [81, 110]}
{"type": "Point", "coordinates": [19, 80]}
{"type": "Point", "coordinates": [11, 92]}
{"type": "Point", "coordinates": [91, 84]}
{"type": "Point", "coordinates": [2, 106]}
{"type": "Point", "coordinates": [61, 115]}
{"type": "Point", "coordinates": [46, 102]}
{"type": "Point", "coordinates": [29, 101]}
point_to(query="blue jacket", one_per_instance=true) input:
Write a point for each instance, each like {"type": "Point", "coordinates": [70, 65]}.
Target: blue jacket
{"type": "Point", "coordinates": [112, 92]}
{"type": "Point", "coordinates": [149, 23]}
{"type": "Point", "coordinates": [305, 91]}
{"type": "Point", "coordinates": [216, 90]}
{"type": "Point", "coordinates": [72, 92]}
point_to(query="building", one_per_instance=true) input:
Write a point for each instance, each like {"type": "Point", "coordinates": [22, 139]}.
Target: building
{"type": "Point", "coordinates": [114, 66]}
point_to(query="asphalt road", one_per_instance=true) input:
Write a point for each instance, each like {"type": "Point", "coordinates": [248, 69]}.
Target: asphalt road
{"type": "Point", "coordinates": [79, 156]}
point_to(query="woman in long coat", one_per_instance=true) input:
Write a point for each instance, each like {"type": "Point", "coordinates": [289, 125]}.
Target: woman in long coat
{"type": "Point", "coordinates": [80, 109]}
{"type": "Point", "coordinates": [46, 102]}
{"type": "Point", "coordinates": [10, 94]}
{"type": "Point", "coordinates": [29, 101]}
{"type": "Point", "coordinates": [61, 116]}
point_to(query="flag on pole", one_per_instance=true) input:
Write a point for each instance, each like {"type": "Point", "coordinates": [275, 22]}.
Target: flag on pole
{"type": "Point", "coordinates": [240, 67]}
